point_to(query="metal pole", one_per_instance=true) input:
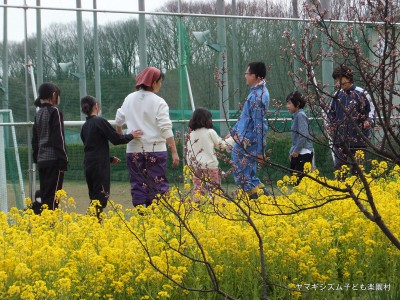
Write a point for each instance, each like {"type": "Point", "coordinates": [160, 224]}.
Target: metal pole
{"type": "Point", "coordinates": [28, 104]}
{"type": "Point", "coordinates": [182, 77]}
{"type": "Point", "coordinates": [181, 71]}
{"type": "Point", "coordinates": [5, 60]}
{"type": "Point", "coordinates": [296, 34]}
{"type": "Point", "coordinates": [81, 55]}
{"type": "Point", "coordinates": [3, 172]}
{"type": "Point", "coordinates": [142, 37]}
{"type": "Point", "coordinates": [222, 66]}
{"type": "Point", "coordinates": [39, 49]}
{"type": "Point", "coordinates": [235, 58]}
{"type": "Point", "coordinates": [35, 95]}
{"type": "Point", "coordinates": [39, 74]}
{"type": "Point", "coordinates": [96, 54]}
{"type": "Point", "coordinates": [33, 83]}
{"type": "Point", "coordinates": [189, 88]}
{"type": "Point", "coordinates": [327, 64]}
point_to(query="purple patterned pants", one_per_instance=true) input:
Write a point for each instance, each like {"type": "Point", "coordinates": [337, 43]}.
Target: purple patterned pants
{"type": "Point", "coordinates": [147, 176]}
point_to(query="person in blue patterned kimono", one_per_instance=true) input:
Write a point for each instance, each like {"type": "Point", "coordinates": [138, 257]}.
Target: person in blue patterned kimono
{"type": "Point", "coordinates": [250, 132]}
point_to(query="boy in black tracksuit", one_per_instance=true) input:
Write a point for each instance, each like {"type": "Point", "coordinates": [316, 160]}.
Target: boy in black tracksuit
{"type": "Point", "coordinates": [95, 134]}
{"type": "Point", "coordinates": [48, 145]}
{"type": "Point", "coordinates": [348, 118]}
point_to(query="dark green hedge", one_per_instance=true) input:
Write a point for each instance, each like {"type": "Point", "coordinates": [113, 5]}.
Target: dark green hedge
{"type": "Point", "coordinates": [279, 154]}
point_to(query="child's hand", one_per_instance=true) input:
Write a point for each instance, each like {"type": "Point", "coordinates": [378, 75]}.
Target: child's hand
{"type": "Point", "coordinates": [229, 143]}
{"type": "Point", "coordinates": [175, 160]}
{"type": "Point", "coordinates": [137, 133]}
{"type": "Point", "coordinates": [115, 160]}
{"type": "Point", "coordinates": [260, 161]}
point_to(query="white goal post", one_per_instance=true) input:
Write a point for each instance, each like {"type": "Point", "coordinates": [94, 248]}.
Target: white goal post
{"type": "Point", "coordinates": [6, 116]}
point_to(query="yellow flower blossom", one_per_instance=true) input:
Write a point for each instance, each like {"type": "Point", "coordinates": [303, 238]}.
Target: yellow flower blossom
{"type": "Point", "coordinates": [307, 167]}
{"type": "Point", "coordinates": [22, 271]}
{"type": "Point", "coordinates": [163, 294]}
{"type": "Point", "coordinates": [61, 255]}
{"type": "Point", "coordinates": [64, 285]}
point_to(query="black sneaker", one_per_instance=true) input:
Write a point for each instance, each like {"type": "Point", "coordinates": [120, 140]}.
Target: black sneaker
{"type": "Point", "coordinates": [255, 195]}
{"type": "Point", "coordinates": [265, 191]}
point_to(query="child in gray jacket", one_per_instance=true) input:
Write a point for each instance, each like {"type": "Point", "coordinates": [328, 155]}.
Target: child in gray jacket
{"type": "Point", "coordinates": [302, 149]}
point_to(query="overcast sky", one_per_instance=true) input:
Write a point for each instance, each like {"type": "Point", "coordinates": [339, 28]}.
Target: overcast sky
{"type": "Point", "coordinates": [16, 15]}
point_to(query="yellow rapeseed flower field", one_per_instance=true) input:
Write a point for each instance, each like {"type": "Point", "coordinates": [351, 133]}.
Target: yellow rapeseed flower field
{"type": "Point", "coordinates": [179, 249]}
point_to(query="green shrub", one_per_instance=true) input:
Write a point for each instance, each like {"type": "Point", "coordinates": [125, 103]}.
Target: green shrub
{"type": "Point", "coordinates": [279, 148]}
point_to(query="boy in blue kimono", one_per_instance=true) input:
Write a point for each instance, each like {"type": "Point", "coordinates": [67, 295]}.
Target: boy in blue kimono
{"type": "Point", "coordinates": [250, 132]}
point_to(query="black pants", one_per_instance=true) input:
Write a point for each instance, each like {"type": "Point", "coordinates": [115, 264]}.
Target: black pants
{"type": "Point", "coordinates": [51, 180]}
{"type": "Point", "coordinates": [297, 163]}
{"type": "Point", "coordinates": [98, 181]}
{"type": "Point", "coordinates": [342, 158]}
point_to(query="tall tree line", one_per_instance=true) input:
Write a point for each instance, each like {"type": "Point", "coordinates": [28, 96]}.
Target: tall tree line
{"type": "Point", "coordinates": [119, 48]}
{"type": "Point", "coordinates": [119, 40]}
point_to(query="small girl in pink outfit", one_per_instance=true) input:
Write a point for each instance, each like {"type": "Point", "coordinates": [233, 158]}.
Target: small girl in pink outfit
{"type": "Point", "coordinates": [200, 151]}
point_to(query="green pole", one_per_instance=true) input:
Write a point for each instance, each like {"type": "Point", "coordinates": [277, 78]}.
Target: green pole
{"type": "Point", "coordinates": [235, 60]}
{"type": "Point", "coordinates": [327, 64]}
{"type": "Point", "coordinates": [182, 62]}
{"type": "Point", "coordinates": [296, 34]}
{"type": "Point", "coordinates": [223, 64]}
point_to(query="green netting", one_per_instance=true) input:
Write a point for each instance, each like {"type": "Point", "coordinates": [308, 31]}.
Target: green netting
{"type": "Point", "coordinates": [257, 40]}
{"type": "Point", "coordinates": [11, 178]}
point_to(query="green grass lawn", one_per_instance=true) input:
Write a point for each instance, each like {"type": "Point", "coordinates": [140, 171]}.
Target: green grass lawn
{"type": "Point", "coordinates": [120, 193]}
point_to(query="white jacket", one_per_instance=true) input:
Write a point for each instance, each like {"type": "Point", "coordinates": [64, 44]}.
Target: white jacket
{"type": "Point", "coordinates": [146, 111]}
{"type": "Point", "coordinates": [200, 148]}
